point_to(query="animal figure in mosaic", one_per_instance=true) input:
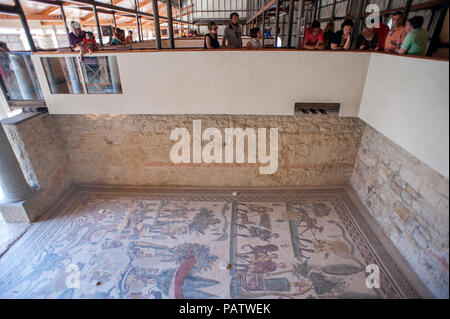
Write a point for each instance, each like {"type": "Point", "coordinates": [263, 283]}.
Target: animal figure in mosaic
{"type": "Point", "coordinates": [132, 224]}
{"type": "Point", "coordinates": [135, 279]}
{"type": "Point", "coordinates": [335, 247]}
{"type": "Point", "coordinates": [166, 229]}
{"type": "Point", "coordinates": [258, 232]}
{"type": "Point", "coordinates": [91, 228]}
{"type": "Point", "coordinates": [300, 245]}
{"type": "Point", "coordinates": [244, 218]}
{"type": "Point", "coordinates": [260, 267]}
{"type": "Point", "coordinates": [262, 211]}
{"type": "Point", "coordinates": [339, 248]}
{"type": "Point", "coordinates": [257, 252]}
{"type": "Point", "coordinates": [308, 223]}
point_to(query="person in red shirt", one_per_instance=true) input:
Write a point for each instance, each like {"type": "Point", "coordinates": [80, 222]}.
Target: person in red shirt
{"type": "Point", "coordinates": [381, 32]}
{"type": "Point", "coordinates": [88, 45]}
{"type": "Point", "coordinates": [314, 37]}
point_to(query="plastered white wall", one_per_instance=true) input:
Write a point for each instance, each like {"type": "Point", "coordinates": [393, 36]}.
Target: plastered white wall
{"type": "Point", "coordinates": [222, 82]}
{"type": "Point", "coordinates": [407, 100]}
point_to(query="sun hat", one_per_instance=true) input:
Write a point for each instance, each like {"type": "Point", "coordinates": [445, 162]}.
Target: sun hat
{"type": "Point", "coordinates": [75, 25]}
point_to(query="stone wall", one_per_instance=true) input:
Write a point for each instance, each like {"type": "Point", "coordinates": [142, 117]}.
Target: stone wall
{"type": "Point", "coordinates": [135, 150]}
{"type": "Point", "coordinates": [44, 161]}
{"type": "Point", "coordinates": [410, 201]}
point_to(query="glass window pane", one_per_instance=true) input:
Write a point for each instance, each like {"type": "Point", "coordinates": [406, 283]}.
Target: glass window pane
{"type": "Point", "coordinates": [19, 76]}
{"type": "Point", "coordinates": [101, 75]}
{"type": "Point", "coordinates": [62, 75]}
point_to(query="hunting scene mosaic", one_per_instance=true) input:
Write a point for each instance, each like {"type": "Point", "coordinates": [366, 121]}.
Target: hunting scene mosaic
{"type": "Point", "coordinates": [198, 246]}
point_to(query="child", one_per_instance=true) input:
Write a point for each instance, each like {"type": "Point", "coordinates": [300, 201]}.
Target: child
{"type": "Point", "coordinates": [88, 45]}
{"type": "Point", "coordinates": [130, 39]}
{"type": "Point", "coordinates": [211, 41]}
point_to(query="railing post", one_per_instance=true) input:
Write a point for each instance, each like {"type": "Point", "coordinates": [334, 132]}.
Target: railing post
{"type": "Point", "coordinates": [136, 4]}
{"type": "Point", "coordinates": [63, 16]}
{"type": "Point", "coordinates": [357, 30]}
{"type": "Point", "coordinates": [301, 13]}
{"type": "Point", "coordinates": [156, 24]}
{"type": "Point", "coordinates": [99, 31]}
{"type": "Point", "coordinates": [113, 16]}
{"type": "Point", "coordinates": [26, 28]}
{"type": "Point", "coordinates": [290, 21]}
{"type": "Point", "coordinates": [263, 28]}
{"type": "Point", "coordinates": [407, 9]}
{"type": "Point", "coordinates": [277, 23]}
{"type": "Point", "coordinates": [170, 23]}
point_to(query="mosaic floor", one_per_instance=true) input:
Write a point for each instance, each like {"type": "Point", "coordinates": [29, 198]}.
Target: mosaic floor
{"type": "Point", "coordinates": [169, 244]}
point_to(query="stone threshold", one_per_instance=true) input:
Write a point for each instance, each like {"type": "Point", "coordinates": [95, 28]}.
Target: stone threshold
{"type": "Point", "coordinates": [19, 118]}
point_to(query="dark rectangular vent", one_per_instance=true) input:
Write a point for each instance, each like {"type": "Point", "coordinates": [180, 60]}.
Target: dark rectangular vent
{"type": "Point", "coordinates": [317, 108]}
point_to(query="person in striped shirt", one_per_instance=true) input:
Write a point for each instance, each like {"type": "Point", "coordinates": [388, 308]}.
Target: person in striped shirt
{"type": "Point", "coordinates": [397, 34]}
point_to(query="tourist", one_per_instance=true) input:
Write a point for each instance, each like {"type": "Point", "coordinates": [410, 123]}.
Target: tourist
{"type": "Point", "coordinates": [314, 37]}
{"type": "Point", "coordinates": [211, 41]}
{"type": "Point", "coordinates": [381, 31]}
{"type": "Point", "coordinates": [119, 37]}
{"type": "Point", "coordinates": [367, 40]}
{"type": "Point", "coordinates": [327, 34]}
{"type": "Point", "coordinates": [416, 40]}
{"type": "Point", "coordinates": [6, 74]}
{"type": "Point", "coordinates": [76, 36]}
{"type": "Point", "coordinates": [122, 36]}
{"type": "Point", "coordinates": [342, 40]}
{"type": "Point", "coordinates": [3, 47]}
{"type": "Point", "coordinates": [255, 41]}
{"type": "Point", "coordinates": [232, 35]}
{"type": "Point", "coordinates": [396, 35]}
{"type": "Point", "coordinates": [130, 39]}
{"type": "Point", "coordinates": [88, 45]}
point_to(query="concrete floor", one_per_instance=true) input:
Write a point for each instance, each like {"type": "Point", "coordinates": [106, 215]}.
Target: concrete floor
{"type": "Point", "coordinates": [184, 243]}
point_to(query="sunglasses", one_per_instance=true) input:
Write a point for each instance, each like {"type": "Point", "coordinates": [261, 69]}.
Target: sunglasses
{"type": "Point", "coordinates": [214, 28]}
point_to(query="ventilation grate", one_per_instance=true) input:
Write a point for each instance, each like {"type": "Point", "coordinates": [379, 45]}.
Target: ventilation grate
{"type": "Point", "coordinates": [317, 108]}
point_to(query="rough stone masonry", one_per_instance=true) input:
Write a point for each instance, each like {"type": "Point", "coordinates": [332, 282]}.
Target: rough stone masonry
{"type": "Point", "coordinates": [410, 202]}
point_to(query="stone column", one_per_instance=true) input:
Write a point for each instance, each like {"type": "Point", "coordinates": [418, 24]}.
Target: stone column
{"type": "Point", "coordinates": [73, 74]}
{"type": "Point", "coordinates": [14, 187]}
{"type": "Point", "coordinates": [114, 71]}
{"type": "Point", "coordinates": [23, 77]}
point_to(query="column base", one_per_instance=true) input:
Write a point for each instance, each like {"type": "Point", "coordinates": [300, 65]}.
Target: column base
{"type": "Point", "coordinates": [18, 212]}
